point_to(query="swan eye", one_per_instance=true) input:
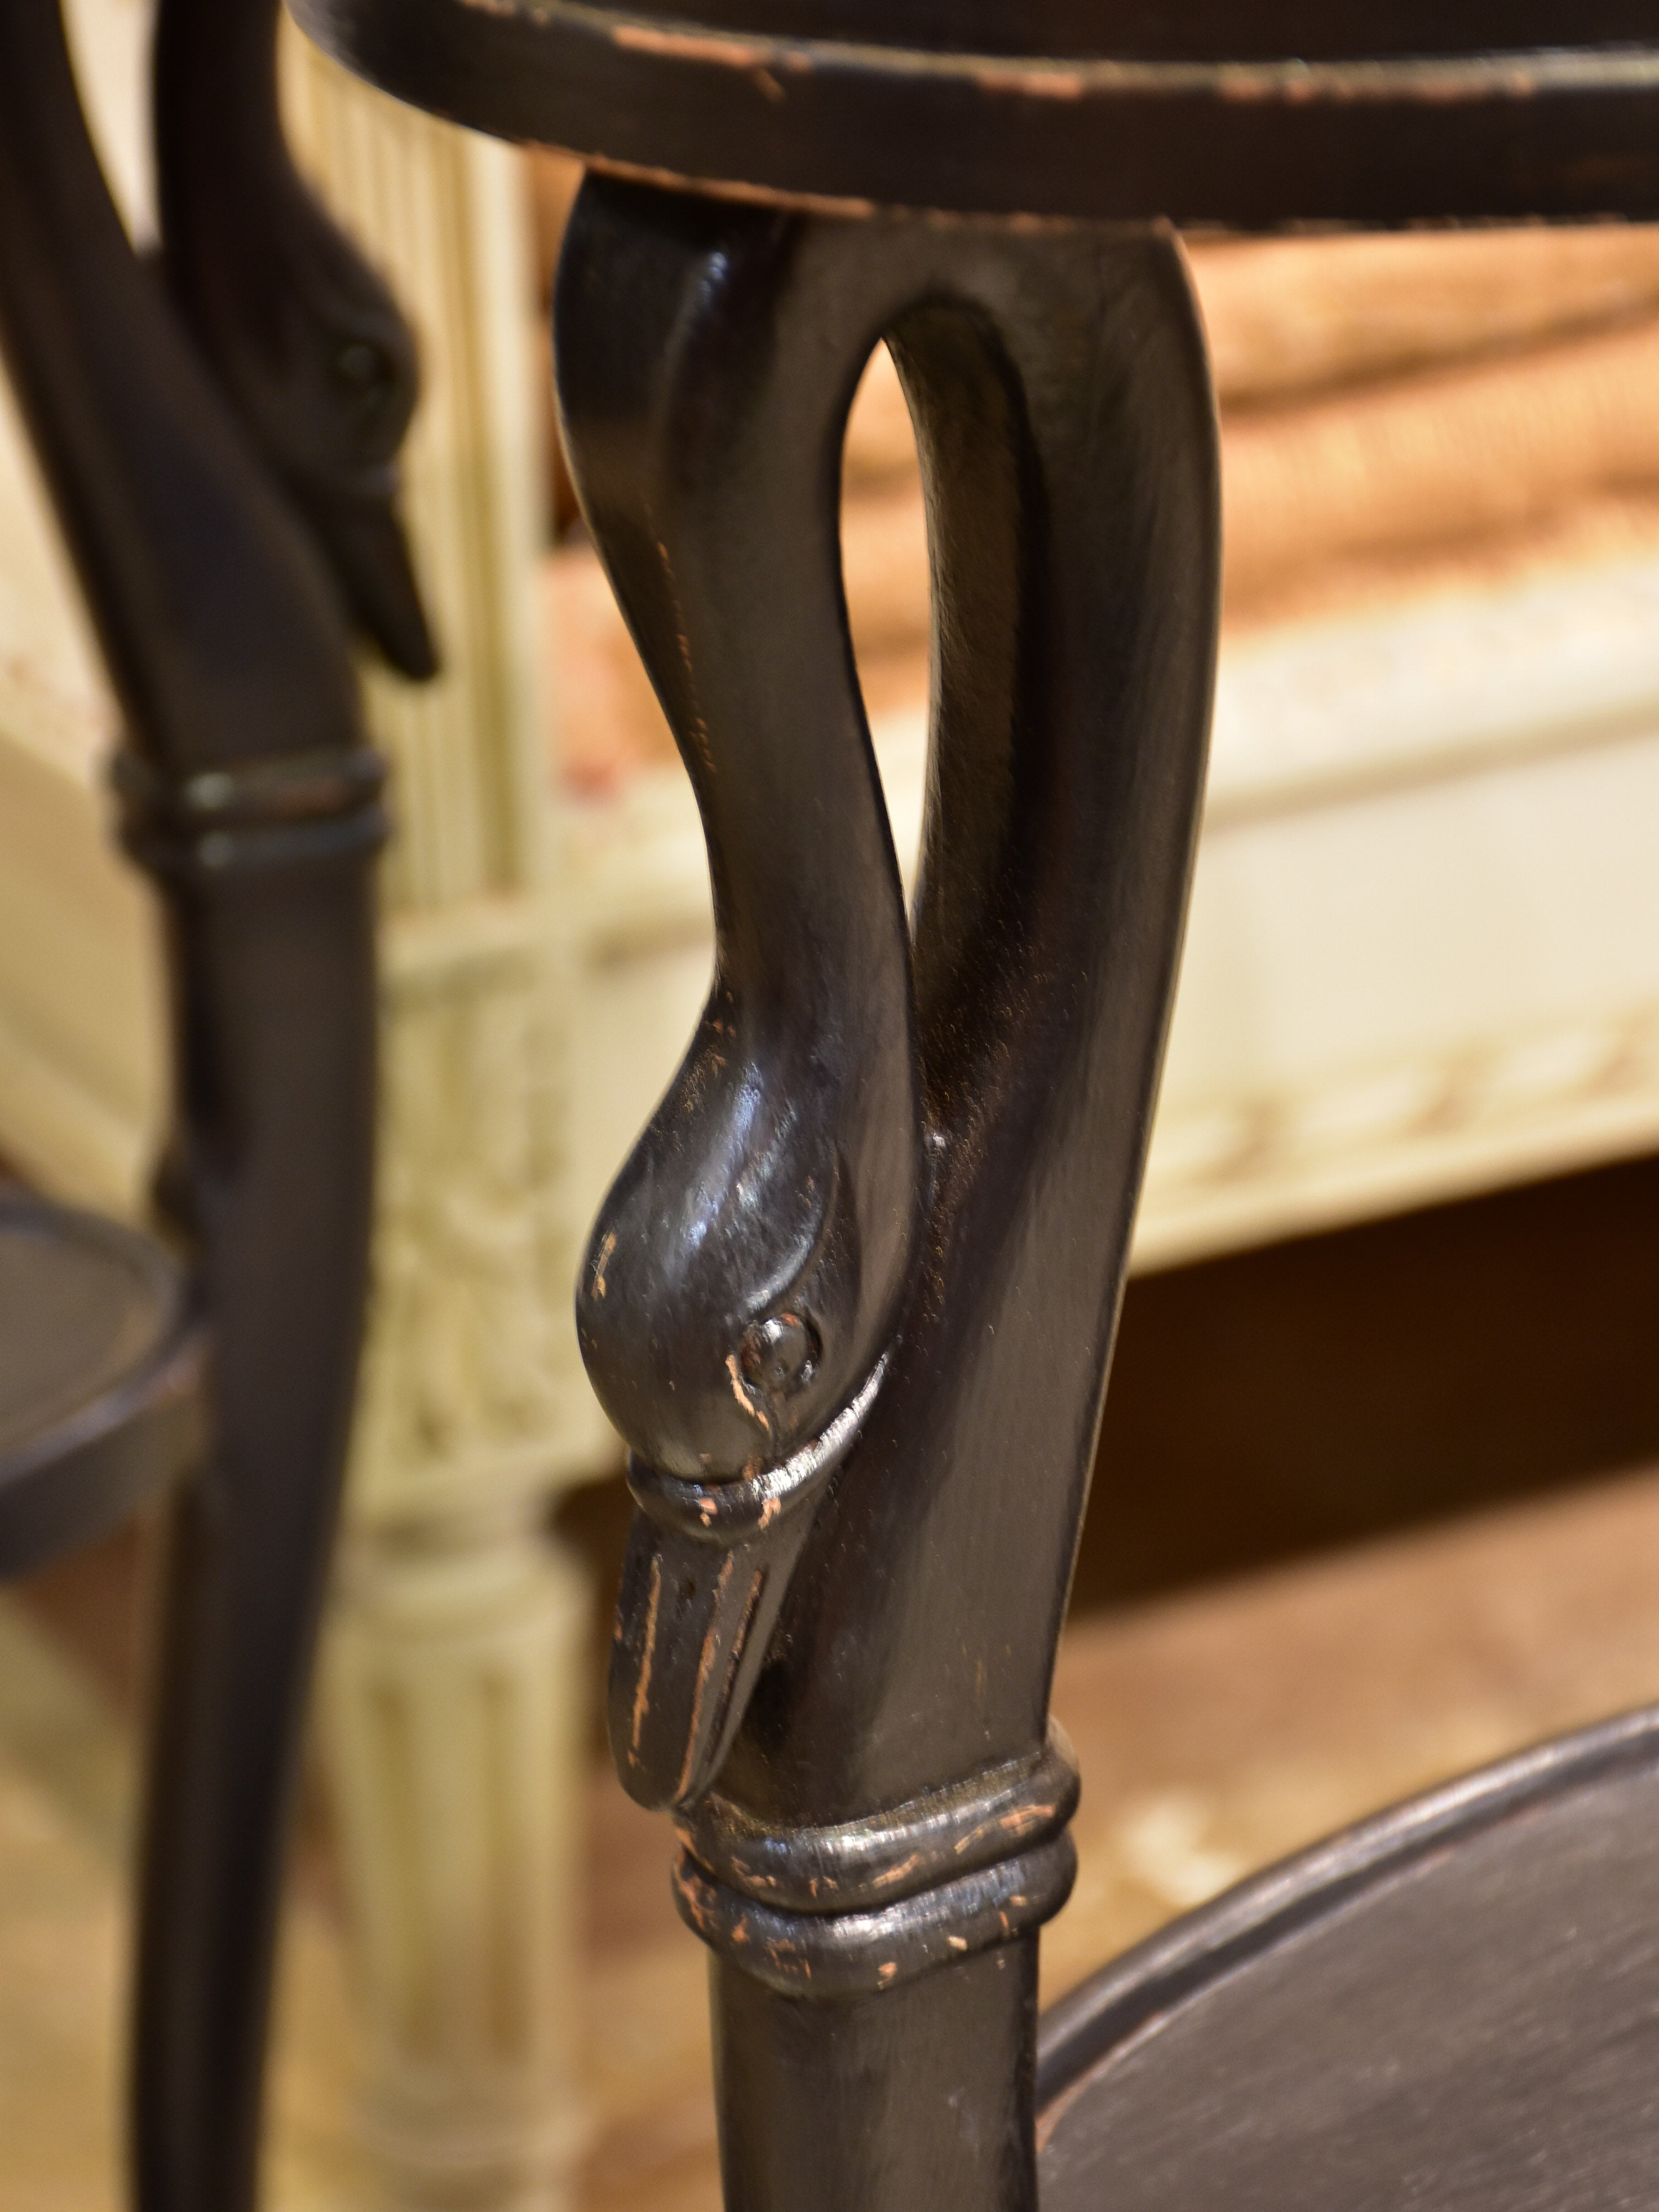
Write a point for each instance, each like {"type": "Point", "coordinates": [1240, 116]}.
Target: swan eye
{"type": "Point", "coordinates": [779, 1354]}
{"type": "Point", "coordinates": [368, 377]}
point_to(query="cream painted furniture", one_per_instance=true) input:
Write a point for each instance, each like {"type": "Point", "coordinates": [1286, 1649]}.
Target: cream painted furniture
{"type": "Point", "coordinates": [455, 1701]}
{"type": "Point", "coordinates": [1424, 958]}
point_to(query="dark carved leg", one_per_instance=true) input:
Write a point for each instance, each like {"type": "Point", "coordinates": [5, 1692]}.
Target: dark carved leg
{"type": "Point", "coordinates": [852, 1299]}
{"type": "Point", "coordinates": [279, 1130]}
{"type": "Point", "coordinates": [301, 335]}
{"type": "Point", "coordinates": [249, 795]}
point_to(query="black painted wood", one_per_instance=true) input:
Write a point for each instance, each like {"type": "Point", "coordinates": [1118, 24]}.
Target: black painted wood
{"type": "Point", "coordinates": [302, 336]}
{"type": "Point", "coordinates": [1255, 115]}
{"type": "Point", "coordinates": [902, 1161]}
{"type": "Point", "coordinates": [248, 793]}
{"type": "Point", "coordinates": [100, 1378]}
{"type": "Point", "coordinates": [1457, 2005]}
{"type": "Point", "coordinates": [1175, 30]}
{"type": "Point", "coordinates": [851, 1302]}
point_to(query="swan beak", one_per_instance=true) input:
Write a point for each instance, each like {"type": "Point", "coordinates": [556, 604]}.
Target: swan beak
{"type": "Point", "coordinates": [368, 551]}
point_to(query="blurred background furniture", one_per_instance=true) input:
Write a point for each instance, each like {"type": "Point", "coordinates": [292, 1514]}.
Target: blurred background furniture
{"type": "Point", "coordinates": [459, 1637]}
{"type": "Point", "coordinates": [247, 794]}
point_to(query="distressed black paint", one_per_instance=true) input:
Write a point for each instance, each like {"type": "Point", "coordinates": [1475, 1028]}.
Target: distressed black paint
{"type": "Point", "coordinates": [975, 1087]}
{"type": "Point", "coordinates": [1254, 117]}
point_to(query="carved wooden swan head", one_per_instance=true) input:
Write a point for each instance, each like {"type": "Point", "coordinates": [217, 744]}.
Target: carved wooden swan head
{"type": "Point", "coordinates": [304, 336]}
{"type": "Point", "coordinates": [741, 1288]}
{"type": "Point", "coordinates": [743, 1278]}
{"type": "Point", "coordinates": [740, 1283]}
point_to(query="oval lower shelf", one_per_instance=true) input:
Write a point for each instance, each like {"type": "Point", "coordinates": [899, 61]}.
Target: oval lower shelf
{"type": "Point", "coordinates": [101, 1377]}
{"type": "Point", "coordinates": [1454, 2005]}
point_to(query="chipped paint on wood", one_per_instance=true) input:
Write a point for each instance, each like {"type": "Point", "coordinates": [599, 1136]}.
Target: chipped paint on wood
{"type": "Point", "coordinates": [730, 188]}
{"type": "Point", "coordinates": [690, 46]}
{"type": "Point", "coordinates": [1032, 83]}
{"type": "Point", "coordinates": [708, 1653]}
{"type": "Point", "coordinates": [779, 120]}
{"type": "Point", "coordinates": [642, 1690]}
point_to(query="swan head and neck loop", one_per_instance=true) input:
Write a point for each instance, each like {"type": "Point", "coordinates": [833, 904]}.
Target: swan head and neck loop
{"type": "Point", "coordinates": [743, 1287]}
{"type": "Point", "coordinates": [851, 1301]}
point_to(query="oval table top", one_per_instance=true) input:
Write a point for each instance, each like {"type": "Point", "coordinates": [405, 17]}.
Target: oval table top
{"type": "Point", "coordinates": [1213, 112]}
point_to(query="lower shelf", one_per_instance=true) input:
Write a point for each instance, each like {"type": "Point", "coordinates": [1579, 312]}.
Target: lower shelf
{"type": "Point", "coordinates": [100, 1360]}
